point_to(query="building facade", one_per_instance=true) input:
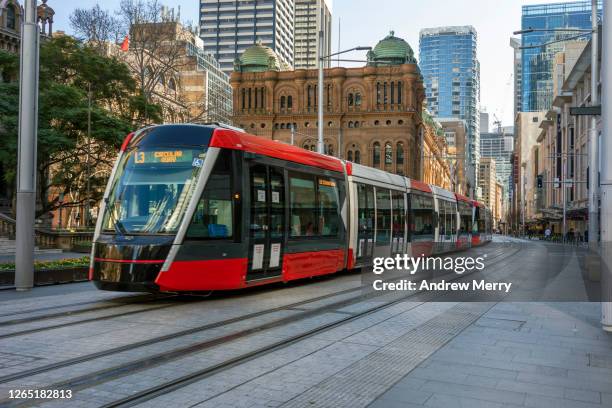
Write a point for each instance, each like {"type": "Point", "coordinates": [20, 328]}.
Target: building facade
{"type": "Point", "coordinates": [455, 136]}
{"type": "Point", "coordinates": [517, 75]}
{"type": "Point", "coordinates": [537, 63]}
{"type": "Point", "coordinates": [451, 74]}
{"type": "Point", "coordinates": [11, 18]}
{"type": "Point", "coordinates": [499, 145]}
{"type": "Point", "coordinates": [487, 179]}
{"type": "Point", "coordinates": [372, 113]}
{"type": "Point", "coordinates": [310, 17]}
{"type": "Point", "coordinates": [228, 28]}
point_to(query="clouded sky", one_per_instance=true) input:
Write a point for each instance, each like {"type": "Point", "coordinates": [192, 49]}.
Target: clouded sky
{"type": "Point", "coordinates": [364, 22]}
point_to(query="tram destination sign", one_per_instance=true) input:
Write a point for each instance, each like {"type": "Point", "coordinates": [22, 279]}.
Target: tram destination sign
{"type": "Point", "coordinates": [163, 156]}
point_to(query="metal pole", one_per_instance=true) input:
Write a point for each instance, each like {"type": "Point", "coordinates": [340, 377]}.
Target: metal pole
{"type": "Point", "coordinates": [593, 139]}
{"type": "Point", "coordinates": [320, 148]}
{"type": "Point", "coordinates": [523, 201]}
{"type": "Point", "coordinates": [87, 197]}
{"type": "Point", "coordinates": [563, 192]}
{"type": "Point", "coordinates": [26, 173]}
{"type": "Point", "coordinates": [606, 168]}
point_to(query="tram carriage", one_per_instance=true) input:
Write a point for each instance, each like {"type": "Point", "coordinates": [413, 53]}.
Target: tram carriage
{"type": "Point", "coordinates": [209, 207]}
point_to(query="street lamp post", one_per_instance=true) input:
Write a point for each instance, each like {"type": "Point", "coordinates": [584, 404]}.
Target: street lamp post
{"type": "Point", "coordinates": [606, 167]}
{"type": "Point", "coordinates": [26, 173]}
{"type": "Point", "coordinates": [593, 139]}
{"type": "Point", "coordinates": [322, 58]}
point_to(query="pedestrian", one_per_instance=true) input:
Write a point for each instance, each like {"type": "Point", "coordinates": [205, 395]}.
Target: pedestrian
{"type": "Point", "coordinates": [547, 234]}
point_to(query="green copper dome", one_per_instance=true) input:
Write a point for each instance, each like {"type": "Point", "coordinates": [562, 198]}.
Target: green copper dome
{"type": "Point", "coordinates": [391, 50]}
{"type": "Point", "coordinates": [258, 58]}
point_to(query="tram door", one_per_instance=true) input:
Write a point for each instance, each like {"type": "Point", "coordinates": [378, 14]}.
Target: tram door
{"type": "Point", "coordinates": [267, 224]}
{"type": "Point", "coordinates": [366, 218]}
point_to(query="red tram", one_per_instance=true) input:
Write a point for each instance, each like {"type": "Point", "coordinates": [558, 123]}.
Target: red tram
{"type": "Point", "coordinates": [209, 207]}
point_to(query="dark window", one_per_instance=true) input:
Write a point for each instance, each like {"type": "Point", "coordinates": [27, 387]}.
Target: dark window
{"type": "Point", "coordinates": [421, 211]}
{"type": "Point", "coordinates": [250, 99]}
{"type": "Point", "coordinates": [213, 217]}
{"type": "Point", "coordinates": [357, 99]}
{"type": "Point", "coordinates": [385, 93]}
{"type": "Point", "coordinates": [365, 217]}
{"type": "Point", "coordinates": [349, 155]}
{"type": "Point", "coordinates": [392, 92]}
{"type": "Point", "coordinates": [388, 153]}
{"type": "Point", "coordinates": [376, 155]}
{"type": "Point", "coordinates": [399, 154]}
{"type": "Point", "coordinates": [309, 89]}
{"type": "Point", "coordinates": [289, 101]}
{"type": "Point", "coordinates": [399, 92]}
{"type": "Point", "coordinates": [302, 194]}
{"type": "Point", "coordinates": [243, 98]}
{"type": "Point", "coordinates": [282, 102]}
{"type": "Point", "coordinates": [357, 157]}
{"type": "Point", "coordinates": [313, 208]}
{"type": "Point", "coordinates": [10, 18]}
{"type": "Point", "coordinates": [399, 221]}
{"type": "Point", "coordinates": [383, 216]}
{"type": "Point", "coordinates": [350, 99]}
{"type": "Point", "coordinates": [378, 95]}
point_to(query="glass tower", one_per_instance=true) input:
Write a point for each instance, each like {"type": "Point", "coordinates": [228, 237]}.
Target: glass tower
{"type": "Point", "coordinates": [451, 74]}
{"type": "Point", "coordinates": [537, 63]}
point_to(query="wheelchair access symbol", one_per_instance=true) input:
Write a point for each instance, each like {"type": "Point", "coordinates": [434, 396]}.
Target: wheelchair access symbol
{"type": "Point", "coordinates": [197, 162]}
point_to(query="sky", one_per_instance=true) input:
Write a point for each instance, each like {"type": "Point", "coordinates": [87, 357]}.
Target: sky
{"type": "Point", "coordinates": [365, 22]}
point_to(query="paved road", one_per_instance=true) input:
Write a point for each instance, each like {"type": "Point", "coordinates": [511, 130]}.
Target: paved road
{"type": "Point", "coordinates": [316, 343]}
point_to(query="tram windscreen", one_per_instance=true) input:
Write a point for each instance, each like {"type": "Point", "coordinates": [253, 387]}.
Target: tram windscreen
{"type": "Point", "coordinates": [152, 189]}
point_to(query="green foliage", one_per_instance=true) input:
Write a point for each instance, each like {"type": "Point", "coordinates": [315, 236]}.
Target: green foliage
{"type": "Point", "coordinates": [58, 264]}
{"type": "Point", "coordinates": [69, 72]}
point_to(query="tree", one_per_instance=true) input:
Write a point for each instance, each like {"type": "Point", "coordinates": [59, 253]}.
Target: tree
{"type": "Point", "coordinates": [71, 74]}
{"type": "Point", "coordinates": [96, 26]}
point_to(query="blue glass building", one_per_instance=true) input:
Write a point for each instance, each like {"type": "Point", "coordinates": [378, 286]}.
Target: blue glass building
{"type": "Point", "coordinates": [537, 63]}
{"type": "Point", "coordinates": [451, 76]}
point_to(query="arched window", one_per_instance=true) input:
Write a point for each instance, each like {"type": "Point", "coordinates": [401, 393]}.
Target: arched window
{"type": "Point", "coordinates": [392, 92]}
{"type": "Point", "coordinates": [243, 98]}
{"type": "Point", "coordinates": [250, 99]}
{"type": "Point", "coordinates": [309, 102]}
{"type": "Point", "coordinates": [388, 153]}
{"type": "Point", "coordinates": [256, 98]}
{"type": "Point", "coordinates": [350, 124]}
{"type": "Point", "coordinates": [161, 79]}
{"type": "Point", "coordinates": [282, 102]}
{"type": "Point", "coordinates": [357, 157]}
{"type": "Point", "coordinates": [289, 101]}
{"type": "Point", "coordinates": [357, 99]}
{"type": "Point", "coordinates": [172, 85]}
{"type": "Point", "coordinates": [399, 154]}
{"type": "Point", "coordinates": [399, 92]}
{"type": "Point", "coordinates": [282, 126]}
{"type": "Point", "coordinates": [11, 21]}
{"type": "Point", "coordinates": [349, 155]}
{"type": "Point", "coordinates": [276, 126]}
{"type": "Point", "coordinates": [261, 96]}
{"type": "Point", "coordinates": [350, 99]}
{"type": "Point", "coordinates": [378, 93]}
{"type": "Point", "coordinates": [376, 154]}
{"type": "Point", "coordinates": [330, 150]}
{"type": "Point", "coordinates": [356, 124]}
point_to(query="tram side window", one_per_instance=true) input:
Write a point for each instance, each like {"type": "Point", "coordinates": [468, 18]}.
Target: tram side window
{"type": "Point", "coordinates": [313, 207]}
{"type": "Point", "coordinates": [213, 217]}
{"type": "Point", "coordinates": [365, 212]}
{"type": "Point", "coordinates": [422, 214]}
{"type": "Point", "coordinates": [303, 205]}
{"type": "Point", "coordinates": [399, 216]}
{"type": "Point", "coordinates": [465, 212]}
{"type": "Point", "coordinates": [383, 216]}
{"type": "Point", "coordinates": [328, 207]}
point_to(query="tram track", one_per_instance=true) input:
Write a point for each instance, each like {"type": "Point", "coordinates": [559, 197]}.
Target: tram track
{"type": "Point", "coordinates": [92, 379]}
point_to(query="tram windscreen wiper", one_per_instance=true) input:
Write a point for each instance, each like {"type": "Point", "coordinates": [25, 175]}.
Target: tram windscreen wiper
{"type": "Point", "coordinates": [119, 228]}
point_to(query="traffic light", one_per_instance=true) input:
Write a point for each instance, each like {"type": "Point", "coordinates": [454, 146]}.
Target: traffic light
{"type": "Point", "coordinates": [540, 181]}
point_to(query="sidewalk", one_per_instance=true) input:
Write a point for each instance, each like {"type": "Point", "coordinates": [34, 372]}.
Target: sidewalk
{"type": "Point", "coordinates": [516, 355]}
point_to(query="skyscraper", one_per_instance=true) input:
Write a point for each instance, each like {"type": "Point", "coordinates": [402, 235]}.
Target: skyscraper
{"type": "Point", "coordinates": [538, 62]}
{"type": "Point", "coordinates": [228, 28]}
{"type": "Point", "coordinates": [451, 74]}
{"type": "Point", "coordinates": [515, 43]}
{"type": "Point", "coordinates": [310, 17]}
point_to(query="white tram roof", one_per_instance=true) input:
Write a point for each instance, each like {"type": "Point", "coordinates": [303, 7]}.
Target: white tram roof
{"type": "Point", "coordinates": [442, 193]}
{"type": "Point", "coordinates": [380, 176]}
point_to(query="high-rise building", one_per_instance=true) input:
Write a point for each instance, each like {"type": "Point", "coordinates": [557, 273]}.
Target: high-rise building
{"type": "Point", "coordinates": [515, 43]}
{"type": "Point", "coordinates": [537, 63]}
{"type": "Point", "coordinates": [451, 74]}
{"type": "Point", "coordinates": [228, 28]}
{"type": "Point", "coordinates": [311, 16]}
{"type": "Point", "coordinates": [499, 145]}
